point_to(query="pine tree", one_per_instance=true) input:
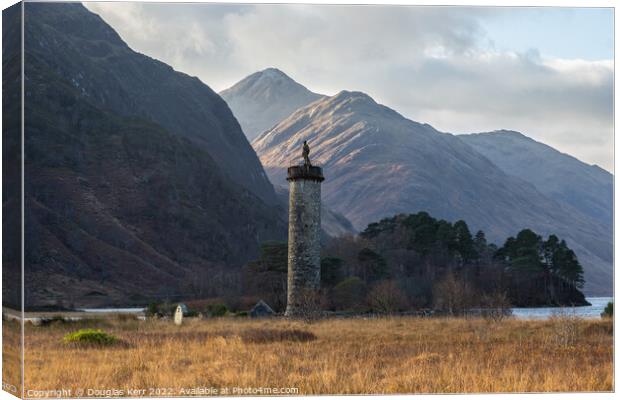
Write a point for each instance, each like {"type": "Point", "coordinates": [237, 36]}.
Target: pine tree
{"type": "Point", "coordinates": [568, 266]}
{"type": "Point", "coordinates": [464, 242]}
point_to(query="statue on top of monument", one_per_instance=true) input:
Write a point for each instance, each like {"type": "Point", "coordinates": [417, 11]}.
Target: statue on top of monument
{"type": "Point", "coordinates": [306, 154]}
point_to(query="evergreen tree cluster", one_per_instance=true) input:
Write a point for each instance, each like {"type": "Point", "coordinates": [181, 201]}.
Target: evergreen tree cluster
{"type": "Point", "coordinates": [412, 262]}
{"type": "Point", "coordinates": [548, 267]}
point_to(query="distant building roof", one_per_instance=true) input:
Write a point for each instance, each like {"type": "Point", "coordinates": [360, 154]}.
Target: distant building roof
{"type": "Point", "coordinates": [261, 309]}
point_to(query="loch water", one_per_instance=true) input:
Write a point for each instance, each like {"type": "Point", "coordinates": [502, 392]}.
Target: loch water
{"type": "Point", "coordinates": [593, 311]}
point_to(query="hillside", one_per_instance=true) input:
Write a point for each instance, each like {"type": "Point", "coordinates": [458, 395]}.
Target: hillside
{"type": "Point", "coordinates": [588, 188]}
{"type": "Point", "coordinates": [137, 174]}
{"type": "Point", "coordinates": [264, 98]}
{"type": "Point", "coordinates": [86, 52]}
{"type": "Point", "coordinates": [378, 163]}
{"type": "Point", "coordinates": [11, 157]}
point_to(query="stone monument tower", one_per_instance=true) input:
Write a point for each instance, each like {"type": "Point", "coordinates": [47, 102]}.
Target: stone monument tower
{"type": "Point", "coordinates": [304, 234]}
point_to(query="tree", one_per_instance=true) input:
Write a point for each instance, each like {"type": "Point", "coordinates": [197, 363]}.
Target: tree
{"type": "Point", "coordinates": [480, 243]}
{"type": "Point", "coordinates": [464, 242]}
{"type": "Point", "coordinates": [527, 251]}
{"type": "Point", "coordinates": [349, 294]}
{"type": "Point", "coordinates": [267, 277]}
{"type": "Point", "coordinates": [545, 269]}
{"type": "Point", "coordinates": [523, 252]}
{"type": "Point", "coordinates": [312, 303]}
{"type": "Point", "coordinates": [445, 238]}
{"type": "Point", "coordinates": [549, 250]}
{"type": "Point", "coordinates": [608, 312]}
{"type": "Point", "coordinates": [206, 281]}
{"type": "Point", "coordinates": [452, 295]}
{"type": "Point", "coordinates": [346, 248]}
{"type": "Point", "coordinates": [495, 305]}
{"type": "Point", "coordinates": [331, 271]}
{"type": "Point", "coordinates": [420, 252]}
{"type": "Point", "coordinates": [387, 297]}
{"type": "Point", "coordinates": [423, 231]}
{"type": "Point", "coordinates": [274, 256]}
{"type": "Point", "coordinates": [567, 266]}
{"type": "Point", "coordinates": [372, 266]}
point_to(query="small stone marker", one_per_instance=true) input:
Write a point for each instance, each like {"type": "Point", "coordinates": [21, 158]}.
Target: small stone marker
{"type": "Point", "coordinates": [178, 315]}
{"type": "Point", "coordinates": [184, 308]}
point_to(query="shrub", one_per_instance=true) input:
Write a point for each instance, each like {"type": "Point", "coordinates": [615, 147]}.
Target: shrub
{"type": "Point", "coordinates": [311, 304]}
{"type": "Point", "coordinates": [216, 310]}
{"type": "Point", "coordinates": [54, 320]}
{"type": "Point", "coordinates": [160, 310]}
{"type": "Point", "coordinates": [453, 295]}
{"type": "Point", "coordinates": [125, 317]}
{"type": "Point", "coordinates": [565, 328]}
{"type": "Point", "coordinates": [277, 335]}
{"type": "Point", "coordinates": [331, 271]}
{"type": "Point", "coordinates": [372, 266]}
{"type": "Point", "coordinates": [90, 337]}
{"type": "Point", "coordinates": [349, 294]}
{"type": "Point", "coordinates": [495, 306]}
{"type": "Point", "coordinates": [152, 309]}
{"type": "Point", "coordinates": [387, 297]}
{"type": "Point", "coordinates": [608, 311]}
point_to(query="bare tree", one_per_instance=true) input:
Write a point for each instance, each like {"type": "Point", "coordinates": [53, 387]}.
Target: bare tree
{"type": "Point", "coordinates": [453, 296]}
{"type": "Point", "coordinates": [387, 297]}
{"type": "Point", "coordinates": [495, 306]}
{"type": "Point", "coordinates": [207, 281]}
{"type": "Point", "coordinates": [312, 304]}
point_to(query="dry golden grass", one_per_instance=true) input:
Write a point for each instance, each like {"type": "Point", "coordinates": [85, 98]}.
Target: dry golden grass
{"type": "Point", "coordinates": [11, 356]}
{"type": "Point", "coordinates": [392, 355]}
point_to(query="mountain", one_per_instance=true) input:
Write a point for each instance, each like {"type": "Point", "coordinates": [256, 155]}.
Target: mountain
{"type": "Point", "coordinates": [137, 175]}
{"type": "Point", "coordinates": [335, 224]}
{"type": "Point", "coordinates": [264, 98]}
{"type": "Point", "coordinates": [587, 188]}
{"type": "Point", "coordinates": [11, 157]}
{"type": "Point", "coordinates": [79, 46]}
{"type": "Point", "coordinates": [378, 163]}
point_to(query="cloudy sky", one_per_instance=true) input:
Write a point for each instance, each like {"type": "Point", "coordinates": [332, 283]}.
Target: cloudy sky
{"type": "Point", "coordinates": [547, 72]}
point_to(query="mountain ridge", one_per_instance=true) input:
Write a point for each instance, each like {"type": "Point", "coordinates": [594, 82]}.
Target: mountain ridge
{"type": "Point", "coordinates": [133, 84]}
{"type": "Point", "coordinates": [561, 176]}
{"type": "Point", "coordinates": [263, 98]}
{"type": "Point", "coordinates": [378, 163]}
{"type": "Point", "coordinates": [124, 205]}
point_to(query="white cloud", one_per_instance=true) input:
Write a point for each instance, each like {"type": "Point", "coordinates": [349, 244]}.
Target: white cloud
{"type": "Point", "coordinates": [432, 64]}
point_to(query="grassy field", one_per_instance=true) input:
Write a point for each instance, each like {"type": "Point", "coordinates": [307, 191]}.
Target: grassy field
{"type": "Point", "coordinates": [363, 356]}
{"type": "Point", "coordinates": [11, 357]}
